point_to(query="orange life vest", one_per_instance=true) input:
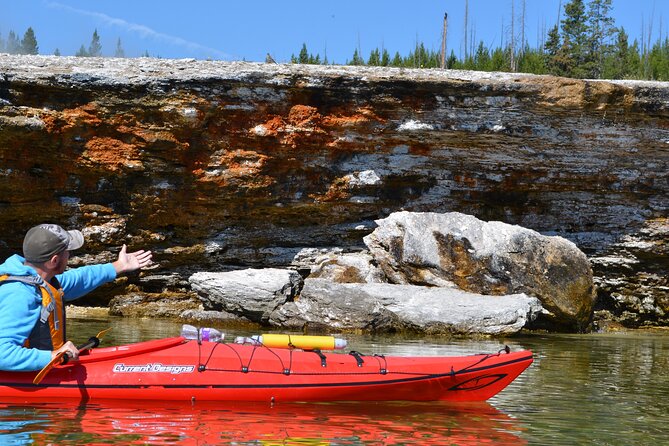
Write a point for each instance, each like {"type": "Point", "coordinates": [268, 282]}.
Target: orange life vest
{"type": "Point", "coordinates": [49, 331]}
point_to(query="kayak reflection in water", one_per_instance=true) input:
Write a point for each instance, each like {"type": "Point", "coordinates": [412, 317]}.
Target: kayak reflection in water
{"type": "Point", "coordinates": [255, 423]}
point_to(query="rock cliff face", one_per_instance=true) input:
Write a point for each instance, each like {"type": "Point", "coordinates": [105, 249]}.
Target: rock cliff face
{"type": "Point", "coordinates": [215, 165]}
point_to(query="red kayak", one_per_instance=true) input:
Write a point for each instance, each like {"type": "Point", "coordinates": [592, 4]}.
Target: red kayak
{"type": "Point", "coordinates": [188, 370]}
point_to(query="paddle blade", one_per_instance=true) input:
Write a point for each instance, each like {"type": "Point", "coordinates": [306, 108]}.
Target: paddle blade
{"type": "Point", "coordinates": [103, 332]}
{"type": "Point", "coordinates": [42, 373]}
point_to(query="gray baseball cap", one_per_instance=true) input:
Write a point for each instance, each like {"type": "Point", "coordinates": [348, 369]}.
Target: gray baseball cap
{"type": "Point", "coordinates": [43, 241]}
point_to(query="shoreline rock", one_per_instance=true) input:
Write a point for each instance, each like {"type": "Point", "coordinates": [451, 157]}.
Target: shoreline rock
{"type": "Point", "coordinates": [381, 307]}
{"type": "Point", "coordinates": [495, 266]}
{"type": "Point", "coordinates": [493, 258]}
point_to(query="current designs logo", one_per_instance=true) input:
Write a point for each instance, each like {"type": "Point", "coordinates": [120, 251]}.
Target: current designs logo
{"type": "Point", "coordinates": [153, 368]}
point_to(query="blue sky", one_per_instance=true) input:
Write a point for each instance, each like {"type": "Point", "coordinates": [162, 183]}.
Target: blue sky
{"type": "Point", "coordinates": [236, 30]}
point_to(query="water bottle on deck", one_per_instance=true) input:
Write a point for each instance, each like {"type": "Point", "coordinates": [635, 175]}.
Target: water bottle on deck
{"type": "Point", "coordinates": [203, 334]}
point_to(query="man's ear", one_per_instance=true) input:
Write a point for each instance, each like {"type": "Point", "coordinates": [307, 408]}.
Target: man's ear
{"type": "Point", "coordinates": [52, 262]}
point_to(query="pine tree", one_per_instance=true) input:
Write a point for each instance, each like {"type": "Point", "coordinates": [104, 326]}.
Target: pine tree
{"type": "Point", "coordinates": [552, 52]}
{"type": "Point", "coordinates": [119, 49]}
{"type": "Point", "coordinates": [2, 44]}
{"type": "Point", "coordinates": [532, 61]}
{"type": "Point", "coordinates": [82, 52]}
{"type": "Point", "coordinates": [374, 58]}
{"type": "Point", "coordinates": [57, 52]}
{"type": "Point", "coordinates": [574, 46]}
{"type": "Point", "coordinates": [397, 60]}
{"type": "Point", "coordinates": [615, 63]}
{"type": "Point", "coordinates": [357, 60]}
{"type": "Point", "coordinates": [385, 58]}
{"type": "Point", "coordinates": [601, 30]}
{"type": "Point", "coordinates": [452, 60]}
{"type": "Point", "coordinates": [482, 58]}
{"type": "Point", "coordinates": [499, 61]}
{"type": "Point", "coordinates": [95, 49]}
{"type": "Point", "coordinates": [13, 43]}
{"type": "Point", "coordinates": [29, 42]}
{"type": "Point", "coordinates": [657, 62]}
{"type": "Point", "coordinates": [314, 60]}
{"type": "Point", "coordinates": [304, 54]}
{"type": "Point", "coordinates": [633, 64]}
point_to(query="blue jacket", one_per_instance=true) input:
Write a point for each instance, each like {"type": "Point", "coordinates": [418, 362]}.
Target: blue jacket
{"type": "Point", "coordinates": [20, 306]}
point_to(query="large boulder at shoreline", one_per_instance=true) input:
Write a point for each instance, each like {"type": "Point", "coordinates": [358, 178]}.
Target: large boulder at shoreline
{"type": "Point", "coordinates": [379, 307]}
{"type": "Point", "coordinates": [491, 258]}
{"type": "Point", "coordinates": [250, 293]}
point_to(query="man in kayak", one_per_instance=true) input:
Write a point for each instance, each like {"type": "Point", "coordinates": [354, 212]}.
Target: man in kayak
{"type": "Point", "coordinates": [35, 287]}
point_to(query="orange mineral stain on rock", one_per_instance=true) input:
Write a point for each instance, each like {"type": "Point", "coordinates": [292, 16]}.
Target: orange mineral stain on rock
{"type": "Point", "coordinates": [71, 118]}
{"type": "Point", "coordinates": [304, 117]}
{"type": "Point", "coordinates": [111, 154]}
{"type": "Point", "coordinates": [339, 190]}
{"type": "Point", "coordinates": [305, 121]}
{"type": "Point", "coordinates": [238, 168]}
{"type": "Point", "coordinates": [361, 115]}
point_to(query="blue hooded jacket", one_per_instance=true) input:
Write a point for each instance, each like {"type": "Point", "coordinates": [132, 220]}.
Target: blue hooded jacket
{"type": "Point", "coordinates": [20, 306]}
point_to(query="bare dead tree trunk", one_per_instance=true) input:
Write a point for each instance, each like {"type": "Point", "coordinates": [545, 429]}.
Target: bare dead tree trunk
{"type": "Point", "coordinates": [466, 17]}
{"type": "Point", "coordinates": [501, 38]}
{"type": "Point", "coordinates": [660, 33]}
{"type": "Point", "coordinates": [522, 30]}
{"type": "Point", "coordinates": [540, 32]}
{"type": "Point", "coordinates": [443, 41]}
{"type": "Point", "coordinates": [513, 40]}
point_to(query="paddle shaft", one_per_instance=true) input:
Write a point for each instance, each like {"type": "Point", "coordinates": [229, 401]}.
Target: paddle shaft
{"type": "Point", "coordinates": [93, 342]}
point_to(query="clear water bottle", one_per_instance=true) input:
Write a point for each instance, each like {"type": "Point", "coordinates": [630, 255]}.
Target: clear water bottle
{"type": "Point", "coordinates": [203, 334]}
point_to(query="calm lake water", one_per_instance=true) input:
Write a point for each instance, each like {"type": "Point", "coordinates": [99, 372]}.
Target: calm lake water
{"type": "Point", "coordinates": [601, 389]}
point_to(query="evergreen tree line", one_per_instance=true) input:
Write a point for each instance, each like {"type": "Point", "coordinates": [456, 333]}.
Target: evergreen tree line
{"type": "Point", "coordinates": [14, 45]}
{"type": "Point", "coordinates": [585, 43]}
{"type": "Point", "coordinates": [28, 45]}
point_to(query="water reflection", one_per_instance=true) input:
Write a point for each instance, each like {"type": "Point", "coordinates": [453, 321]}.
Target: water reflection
{"type": "Point", "coordinates": [593, 389]}
{"type": "Point", "coordinates": [603, 389]}
{"type": "Point", "coordinates": [246, 423]}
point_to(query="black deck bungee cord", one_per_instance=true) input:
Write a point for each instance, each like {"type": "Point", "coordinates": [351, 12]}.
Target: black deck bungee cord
{"type": "Point", "coordinates": [380, 358]}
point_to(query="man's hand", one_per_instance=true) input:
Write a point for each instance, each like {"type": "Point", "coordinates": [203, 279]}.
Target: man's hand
{"type": "Point", "coordinates": [132, 261]}
{"type": "Point", "coordinates": [70, 350]}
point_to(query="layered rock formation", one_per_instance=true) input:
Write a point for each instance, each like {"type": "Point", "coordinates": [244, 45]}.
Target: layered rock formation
{"type": "Point", "coordinates": [217, 165]}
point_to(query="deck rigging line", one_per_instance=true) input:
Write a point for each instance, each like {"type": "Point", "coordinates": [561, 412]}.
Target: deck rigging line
{"type": "Point", "coordinates": [287, 370]}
